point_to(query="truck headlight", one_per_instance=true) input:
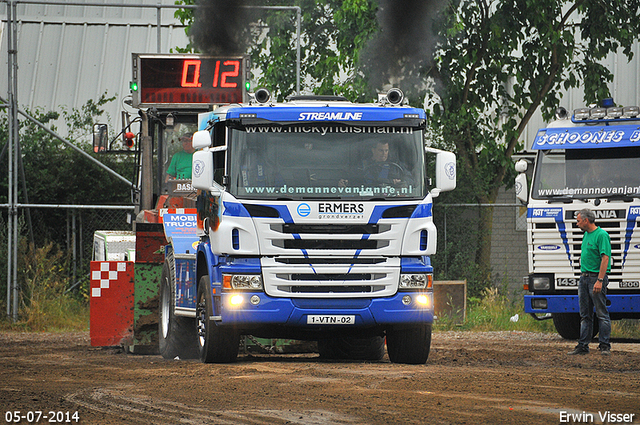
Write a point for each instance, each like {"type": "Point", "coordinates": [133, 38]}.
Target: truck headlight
{"type": "Point", "coordinates": [410, 281]}
{"type": "Point", "coordinates": [252, 282]}
{"type": "Point", "coordinates": [541, 283]}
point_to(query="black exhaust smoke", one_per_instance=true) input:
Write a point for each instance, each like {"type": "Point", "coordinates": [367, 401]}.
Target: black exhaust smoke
{"type": "Point", "coordinates": [402, 50]}
{"type": "Point", "coordinates": [221, 27]}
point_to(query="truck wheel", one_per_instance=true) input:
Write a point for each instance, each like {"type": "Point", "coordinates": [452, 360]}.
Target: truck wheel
{"type": "Point", "coordinates": [177, 335]}
{"type": "Point", "coordinates": [352, 348]}
{"type": "Point", "coordinates": [568, 325]}
{"type": "Point", "coordinates": [217, 344]}
{"type": "Point", "coordinates": [409, 345]}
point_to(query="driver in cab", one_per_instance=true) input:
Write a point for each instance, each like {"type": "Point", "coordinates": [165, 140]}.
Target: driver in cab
{"type": "Point", "coordinates": [379, 171]}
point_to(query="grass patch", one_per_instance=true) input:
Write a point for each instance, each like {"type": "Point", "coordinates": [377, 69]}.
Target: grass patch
{"type": "Point", "coordinates": [495, 311]}
{"type": "Point", "coordinates": [45, 304]}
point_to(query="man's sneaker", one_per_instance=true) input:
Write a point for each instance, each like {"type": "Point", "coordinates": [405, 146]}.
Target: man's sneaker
{"type": "Point", "coordinates": [579, 350]}
{"type": "Point", "coordinates": [605, 351]}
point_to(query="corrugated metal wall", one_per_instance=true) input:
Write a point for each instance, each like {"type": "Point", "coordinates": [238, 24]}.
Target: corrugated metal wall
{"type": "Point", "coordinates": [70, 54]}
{"type": "Point", "coordinates": [625, 89]}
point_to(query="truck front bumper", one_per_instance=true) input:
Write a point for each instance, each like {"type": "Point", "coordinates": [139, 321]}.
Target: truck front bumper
{"type": "Point", "coordinates": [257, 308]}
{"type": "Point", "coordinates": [616, 303]}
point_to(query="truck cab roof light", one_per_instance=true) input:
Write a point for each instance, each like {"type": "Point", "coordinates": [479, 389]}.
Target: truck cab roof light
{"type": "Point", "coordinates": [598, 113]}
{"type": "Point", "coordinates": [614, 112]}
{"type": "Point", "coordinates": [581, 114]}
{"type": "Point", "coordinates": [630, 111]}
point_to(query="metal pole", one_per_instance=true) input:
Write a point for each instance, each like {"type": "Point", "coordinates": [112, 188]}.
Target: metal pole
{"type": "Point", "coordinates": [74, 245]}
{"type": "Point", "coordinates": [146, 150]}
{"type": "Point", "coordinates": [298, 23]}
{"type": "Point", "coordinates": [16, 142]}
{"type": "Point", "coordinates": [158, 25]}
{"type": "Point", "coordinates": [10, 59]}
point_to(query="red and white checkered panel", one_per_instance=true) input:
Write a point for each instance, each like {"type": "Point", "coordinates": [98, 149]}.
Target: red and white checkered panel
{"type": "Point", "coordinates": [111, 302]}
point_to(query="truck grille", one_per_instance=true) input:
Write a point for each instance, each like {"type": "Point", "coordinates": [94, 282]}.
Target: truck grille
{"type": "Point", "coordinates": [616, 233]}
{"type": "Point", "coordinates": [323, 236]}
{"type": "Point", "coordinates": [335, 278]}
{"type": "Point", "coordinates": [567, 234]}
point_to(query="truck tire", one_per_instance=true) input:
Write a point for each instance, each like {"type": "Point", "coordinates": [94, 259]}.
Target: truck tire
{"type": "Point", "coordinates": [352, 348]}
{"type": "Point", "coordinates": [217, 344]}
{"type": "Point", "coordinates": [177, 335]}
{"type": "Point", "coordinates": [409, 345]}
{"type": "Point", "coordinates": [568, 325]}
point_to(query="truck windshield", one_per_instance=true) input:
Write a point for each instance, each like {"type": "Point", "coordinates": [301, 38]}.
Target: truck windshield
{"type": "Point", "coordinates": [587, 173]}
{"type": "Point", "coordinates": [326, 162]}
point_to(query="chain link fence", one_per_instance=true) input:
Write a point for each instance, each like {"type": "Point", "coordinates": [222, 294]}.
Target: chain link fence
{"type": "Point", "coordinates": [70, 228]}
{"type": "Point", "coordinates": [464, 253]}
{"type": "Point", "coordinates": [459, 254]}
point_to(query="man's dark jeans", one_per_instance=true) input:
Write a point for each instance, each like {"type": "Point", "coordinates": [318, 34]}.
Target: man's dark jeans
{"type": "Point", "coordinates": [589, 301]}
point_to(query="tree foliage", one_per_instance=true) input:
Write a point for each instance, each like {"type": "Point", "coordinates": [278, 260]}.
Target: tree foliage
{"type": "Point", "coordinates": [57, 174]}
{"type": "Point", "coordinates": [499, 61]}
{"type": "Point", "coordinates": [332, 35]}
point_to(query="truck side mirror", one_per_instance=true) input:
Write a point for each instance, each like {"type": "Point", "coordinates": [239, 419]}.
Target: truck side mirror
{"type": "Point", "coordinates": [202, 171]}
{"type": "Point", "coordinates": [201, 139]}
{"type": "Point", "coordinates": [521, 186]}
{"type": "Point", "coordinates": [445, 171]}
{"type": "Point", "coordinates": [100, 138]}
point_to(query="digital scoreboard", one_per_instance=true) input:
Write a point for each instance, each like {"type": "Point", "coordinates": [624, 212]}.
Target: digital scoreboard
{"type": "Point", "coordinates": [188, 81]}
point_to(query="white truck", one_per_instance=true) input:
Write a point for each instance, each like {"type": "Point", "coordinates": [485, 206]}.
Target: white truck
{"type": "Point", "coordinates": [315, 223]}
{"type": "Point", "coordinates": [588, 160]}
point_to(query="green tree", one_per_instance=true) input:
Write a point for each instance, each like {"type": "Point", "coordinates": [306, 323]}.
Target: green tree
{"type": "Point", "coordinates": [497, 62]}
{"type": "Point", "coordinates": [332, 35]}
{"type": "Point", "coordinates": [56, 173]}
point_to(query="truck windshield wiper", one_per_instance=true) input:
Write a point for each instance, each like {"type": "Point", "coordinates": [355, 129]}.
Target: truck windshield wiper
{"type": "Point", "coordinates": [619, 196]}
{"type": "Point", "coordinates": [559, 198]}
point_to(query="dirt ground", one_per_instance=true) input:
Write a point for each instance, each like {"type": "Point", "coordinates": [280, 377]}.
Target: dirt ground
{"type": "Point", "coordinates": [470, 378]}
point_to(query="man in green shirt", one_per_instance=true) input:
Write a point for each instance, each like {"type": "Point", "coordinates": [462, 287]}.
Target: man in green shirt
{"type": "Point", "coordinates": [180, 166]}
{"type": "Point", "coordinates": [595, 262]}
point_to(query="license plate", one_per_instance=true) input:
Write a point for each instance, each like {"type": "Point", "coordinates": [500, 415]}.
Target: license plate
{"type": "Point", "coordinates": [330, 320]}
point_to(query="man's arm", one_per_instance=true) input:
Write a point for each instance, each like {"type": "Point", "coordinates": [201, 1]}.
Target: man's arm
{"type": "Point", "coordinates": [604, 263]}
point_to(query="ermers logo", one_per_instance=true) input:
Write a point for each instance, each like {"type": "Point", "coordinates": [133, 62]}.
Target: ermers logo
{"type": "Point", "coordinates": [343, 208]}
{"type": "Point", "coordinates": [304, 210]}
{"type": "Point", "coordinates": [330, 116]}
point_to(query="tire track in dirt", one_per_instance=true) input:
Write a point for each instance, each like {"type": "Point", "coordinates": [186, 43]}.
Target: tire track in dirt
{"type": "Point", "coordinates": [119, 402]}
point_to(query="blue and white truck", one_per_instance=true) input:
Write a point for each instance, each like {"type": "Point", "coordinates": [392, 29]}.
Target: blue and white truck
{"type": "Point", "coordinates": [315, 223]}
{"type": "Point", "coordinates": [590, 159]}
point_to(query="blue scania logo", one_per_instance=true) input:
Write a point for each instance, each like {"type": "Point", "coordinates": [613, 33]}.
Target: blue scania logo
{"type": "Point", "coordinates": [450, 170]}
{"type": "Point", "coordinates": [304, 210]}
{"type": "Point", "coordinates": [198, 168]}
